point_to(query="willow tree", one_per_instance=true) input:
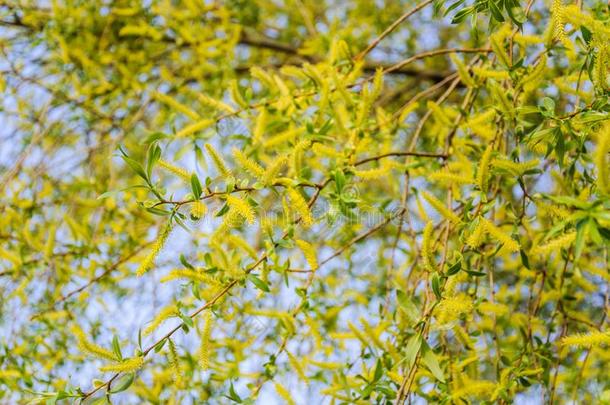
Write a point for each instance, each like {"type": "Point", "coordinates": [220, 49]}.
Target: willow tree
{"type": "Point", "coordinates": [276, 202]}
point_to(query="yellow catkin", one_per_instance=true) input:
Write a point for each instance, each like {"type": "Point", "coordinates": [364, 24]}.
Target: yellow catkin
{"type": "Point", "coordinates": [364, 106]}
{"type": "Point", "coordinates": [475, 239]}
{"type": "Point", "coordinates": [496, 41]}
{"type": "Point", "coordinates": [198, 210]}
{"type": "Point", "coordinates": [508, 243]}
{"type": "Point", "coordinates": [372, 174]}
{"type": "Point", "coordinates": [406, 110]}
{"type": "Point", "coordinates": [300, 207]}
{"type": "Point", "coordinates": [531, 80]}
{"type": "Point", "coordinates": [50, 243]}
{"type": "Point", "coordinates": [463, 71]}
{"type": "Point", "coordinates": [219, 162]}
{"type": "Point", "coordinates": [282, 86]}
{"type": "Point", "coordinates": [600, 65]}
{"type": "Point", "coordinates": [242, 207]}
{"type": "Point", "coordinates": [493, 308]}
{"type": "Point", "coordinates": [556, 244]}
{"type": "Point", "coordinates": [451, 308]}
{"type": "Point", "coordinates": [309, 253]}
{"type": "Point", "coordinates": [174, 360]}
{"type": "Point", "coordinates": [441, 208]}
{"type": "Point", "coordinates": [526, 40]}
{"type": "Point", "coordinates": [479, 389]}
{"type": "Point", "coordinates": [264, 77]}
{"type": "Point", "coordinates": [161, 317]}
{"type": "Point", "coordinates": [149, 260]}
{"type": "Point", "coordinates": [439, 113]}
{"type": "Point", "coordinates": [239, 242]}
{"type": "Point", "coordinates": [446, 177]}
{"type": "Point", "coordinates": [204, 349]}
{"type": "Point", "coordinates": [324, 150]}
{"type": "Point", "coordinates": [490, 74]}
{"type": "Point", "coordinates": [516, 168]}
{"type": "Point", "coordinates": [550, 210]}
{"type": "Point", "coordinates": [297, 367]}
{"type": "Point", "coordinates": [248, 164]}
{"type": "Point", "coordinates": [420, 209]}
{"type": "Point", "coordinates": [178, 171]}
{"type": "Point", "coordinates": [10, 256]}
{"type": "Point", "coordinates": [297, 154]}
{"type": "Point", "coordinates": [377, 83]}
{"type": "Point", "coordinates": [90, 348]}
{"type": "Point", "coordinates": [6, 374]}
{"type": "Point", "coordinates": [236, 94]}
{"type": "Point", "coordinates": [601, 159]}
{"type": "Point", "coordinates": [358, 334]}
{"type": "Point", "coordinates": [284, 393]}
{"type": "Point", "coordinates": [170, 102]}
{"type": "Point", "coordinates": [587, 339]}
{"type": "Point", "coordinates": [215, 104]}
{"type": "Point", "coordinates": [193, 275]}
{"type": "Point", "coordinates": [592, 269]}
{"type": "Point", "coordinates": [143, 30]}
{"type": "Point", "coordinates": [483, 169]}
{"type": "Point", "coordinates": [232, 219]}
{"type": "Point", "coordinates": [557, 20]}
{"type": "Point", "coordinates": [196, 127]}
{"type": "Point", "coordinates": [260, 125]}
{"type": "Point", "coordinates": [372, 333]}
{"type": "Point", "coordinates": [126, 366]}
{"type": "Point", "coordinates": [283, 137]}
{"type": "Point", "coordinates": [427, 251]}
{"type": "Point", "coordinates": [273, 170]}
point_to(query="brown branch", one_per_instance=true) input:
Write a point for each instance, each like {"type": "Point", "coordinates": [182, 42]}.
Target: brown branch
{"type": "Point", "coordinates": [418, 154]}
{"type": "Point", "coordinates": [92, 281]}
{"type": "Point", "coordinates": [391, 28]}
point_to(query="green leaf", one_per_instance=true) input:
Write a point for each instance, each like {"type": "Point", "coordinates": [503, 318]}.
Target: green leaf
{"type": "Point", "coordinates": [108, 194]}
{"type": "Point", "coordinates": [495, 11]}
{"type": "Point", "coordinates": [407, 306]}
{"type": "Point", "coordinates": [185, 262]}
{"type": "Point", "coordinates": [413, 346]}
{"type": "Point", "coordinates": [524, 259]}
{"type": "Point", "coordinates": [159, 346]}
{"type": "Point", "coordinates": [453, 6]}
{"type": "Point", "coordinates": [582, 230]}
{"type": "Point", "coordinates": [429, 359]}
{"type": "Point", "coordinates": [436, 286]}
{"type": "Point", "coordinates": [455, 268]}
{"type": "Point", "coordinates": [339, 178]}
{"type": "Point", "coordinates": [158, 211]}
{"type": "Point", "coordinates": [116, 347]}
{"type": "Point", "coordinates": [196, 186]}
{"type": "Point", "coordinates": [378, 370]}
{"type": "Point", "coordinates": [222, 211]}
{"type": "Point", "coordinates": [605, 232]}
{"type": "Point", "coordinates": [188, 321]}
{"type": "Point", "coordinates": [136, 167]}
{"type": "Point", "coordinates": [586, 34]}
{"type": "Point", "coordinates": [462, 15]}
{"type": "Point", "coordinates": [516, 14]}
{"type": "Point", "coordinates": [548, 105]}
{"type": "Point", "coordinates": [112, 193]}
{"type": "Point", "coordinates": [233, 395]}
{"type": "Point", "coordinates": [155, 136]}
{"type": "Point", "coordinates": [260, 284]}
{"type": "Point", "coordinates": [123, 383]}
{"type": "Point", "coordinates": [153, 155]}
